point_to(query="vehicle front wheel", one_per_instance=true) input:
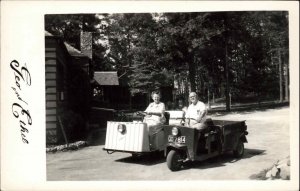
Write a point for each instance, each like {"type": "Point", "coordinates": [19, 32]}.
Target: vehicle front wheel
{"type": "Point", "coordinates": [239, 151]}
{"type": "Point", "coordinates": [174, 160]}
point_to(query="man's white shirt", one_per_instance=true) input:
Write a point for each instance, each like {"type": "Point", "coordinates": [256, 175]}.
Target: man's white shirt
{"type": "Point", "coordinates": [194, 111]}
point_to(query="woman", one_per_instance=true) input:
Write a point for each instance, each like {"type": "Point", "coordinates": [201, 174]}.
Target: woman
{"type": "Point", "coordinates": [155, 111]}
{"type": "Point", "coordinates": [155, 117]}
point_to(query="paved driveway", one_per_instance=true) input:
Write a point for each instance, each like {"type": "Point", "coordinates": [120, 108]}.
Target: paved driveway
{"type": "Point", "coordinates": [268, 141]}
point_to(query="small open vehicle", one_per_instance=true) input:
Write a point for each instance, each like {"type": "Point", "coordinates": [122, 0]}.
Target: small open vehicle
{"type": "Point", "coordinates": [133, 137]}
{"type": "Point", "coordinates": [189, 144]}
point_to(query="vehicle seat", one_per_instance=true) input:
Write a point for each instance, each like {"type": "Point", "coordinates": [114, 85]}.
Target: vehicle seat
{"type": "Point", "coordinates": [209, 122]}
{"type": "Point", "coordinates": [167, 116]}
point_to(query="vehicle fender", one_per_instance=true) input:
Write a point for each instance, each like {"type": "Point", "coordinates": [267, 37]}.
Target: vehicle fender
{"type": "Point", "coordinates": [180, 148]}
{"type": "Point", "coordinates": [243, 138]}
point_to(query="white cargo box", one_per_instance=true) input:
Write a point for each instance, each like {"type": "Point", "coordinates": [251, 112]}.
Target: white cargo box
{"type": "Point", "coordinates": [134, 139]}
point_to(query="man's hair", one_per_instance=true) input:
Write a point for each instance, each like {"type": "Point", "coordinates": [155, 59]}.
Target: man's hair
{"type": "Point", "coordinates": [155, 92]}
{"type": "Point", "coordinates": [194, 94]}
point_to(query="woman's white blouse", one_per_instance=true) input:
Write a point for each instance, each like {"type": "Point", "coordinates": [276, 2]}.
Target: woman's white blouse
{"type": "Point", "coordinates": [157, 108]}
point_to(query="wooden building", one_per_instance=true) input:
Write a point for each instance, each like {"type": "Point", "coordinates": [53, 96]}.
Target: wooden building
{"type": "Point", "coordinates": [113, 93]}
{"type": "Point", "coordinates": [67, 90]}
{"type": "Point", "coordinates": [107, 84]}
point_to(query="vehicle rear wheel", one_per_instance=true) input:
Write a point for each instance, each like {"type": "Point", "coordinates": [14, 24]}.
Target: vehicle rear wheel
{"type": "Point", "coordinates": [174, 160]}
{"type": "Point", "coordinates": [239, 151]}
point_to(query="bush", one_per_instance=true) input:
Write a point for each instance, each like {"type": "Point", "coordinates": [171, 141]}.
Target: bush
{"type": "Point", "coordinates": [73, 125]}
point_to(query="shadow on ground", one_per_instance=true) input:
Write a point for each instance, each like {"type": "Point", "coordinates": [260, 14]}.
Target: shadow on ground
{"type": "Point", "coordinates": [221, 160]}
{"type": "Point", "coordinates": [146, 159]}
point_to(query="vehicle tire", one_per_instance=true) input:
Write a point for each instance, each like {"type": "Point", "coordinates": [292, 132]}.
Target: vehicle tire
{"type": "Point", "coordinates": [174, 160]}
{"type": "Point", "coordinates": [239, 151]}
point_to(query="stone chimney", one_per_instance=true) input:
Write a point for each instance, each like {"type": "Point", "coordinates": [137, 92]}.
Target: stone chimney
{"type": "Point", "coordinates": [86, 43]}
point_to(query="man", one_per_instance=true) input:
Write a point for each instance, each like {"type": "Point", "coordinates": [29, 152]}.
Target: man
{"type": "Point", "coordinates": [196, 112]}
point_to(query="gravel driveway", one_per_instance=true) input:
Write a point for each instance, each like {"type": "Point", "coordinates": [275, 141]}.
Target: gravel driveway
{"type": "Point", "coordinates": [268, 141]}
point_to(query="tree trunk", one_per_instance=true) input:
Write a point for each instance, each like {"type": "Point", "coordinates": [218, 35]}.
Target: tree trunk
{"type": "Point", "coordinates": [192, 74]}
{"type": "Point", "coordinates": [280, 77]}
{"type": "Point", "coordinates": [208, 103]}
{"type": "Point", "coordinates": [286, 80]}
{"type": "Point", "coordinates": [227, 80]}
{"type": "Point", "coordinates": [227, 93]}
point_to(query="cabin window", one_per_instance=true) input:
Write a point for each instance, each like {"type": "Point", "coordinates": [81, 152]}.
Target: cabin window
{"type": "Point", "coordinates": [61, 96]}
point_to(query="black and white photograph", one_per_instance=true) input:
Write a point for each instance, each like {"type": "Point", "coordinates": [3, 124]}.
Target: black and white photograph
{"type": "Point", "coordinates": [178, 96]}
{"type": "Point", "coordinates": [141, 95]}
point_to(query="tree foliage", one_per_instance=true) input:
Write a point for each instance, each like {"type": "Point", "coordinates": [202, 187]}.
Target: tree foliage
{"type": "Point", "coordinates": [225, 53]}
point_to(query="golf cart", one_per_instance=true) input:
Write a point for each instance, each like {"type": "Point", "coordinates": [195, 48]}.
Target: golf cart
{"type": "Point", "coordinates": [133, 137]}
{"type": "Point", "coordinates": [185, 144]}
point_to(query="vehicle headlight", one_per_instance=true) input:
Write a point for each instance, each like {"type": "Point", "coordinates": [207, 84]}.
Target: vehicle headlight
{"type": "Point", "coordinates": [122, 128]}
{"type": "Point", "coordinates": [174, 131]}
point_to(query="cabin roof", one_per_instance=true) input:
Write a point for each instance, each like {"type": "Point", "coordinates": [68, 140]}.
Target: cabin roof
{"type": "Point", "coordinates": [48, 33]}
{"type": "Point", "coordinates": [71, 50]}
{"type": "Point", "coordinates": [107, 78]}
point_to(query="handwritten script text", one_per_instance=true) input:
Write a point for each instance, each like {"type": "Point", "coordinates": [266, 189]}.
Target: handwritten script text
{"type": "Point", "coordinates": [22, 78]}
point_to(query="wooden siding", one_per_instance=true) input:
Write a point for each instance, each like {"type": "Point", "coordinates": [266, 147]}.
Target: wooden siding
{"type": "Point", "coordinates": [51, 55]}
{"type": "Point", "coordinates": [51, 92]}
{"type": "Point", "coordinates": [51, 104]}
{"type": "Point", "coordinates": [51, 125]}
{"type": "Point", "coordinates": [50, 61]}
{"type": "Point", "coordinates": [51, 118]}
{"type": "Point", "coordinates": [50, 97]}
{"type": "Point", "coordinates": [51, 76]}
{"type": "Point", "coordinates": [50, 69]}
{"type": "Point", "coordinates": [57, 66]}
{"type": "Point", "coordinates": [50, 83]}
{"type": "Point", "coordinates": [51, 111]}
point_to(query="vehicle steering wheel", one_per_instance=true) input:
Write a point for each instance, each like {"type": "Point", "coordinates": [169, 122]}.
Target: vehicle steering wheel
{"type": "Point", "coordinates": [142, 113]}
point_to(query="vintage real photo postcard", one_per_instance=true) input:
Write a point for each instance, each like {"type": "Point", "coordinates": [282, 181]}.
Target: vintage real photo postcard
{"type": "Point", "coordinates": [157, 95]}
